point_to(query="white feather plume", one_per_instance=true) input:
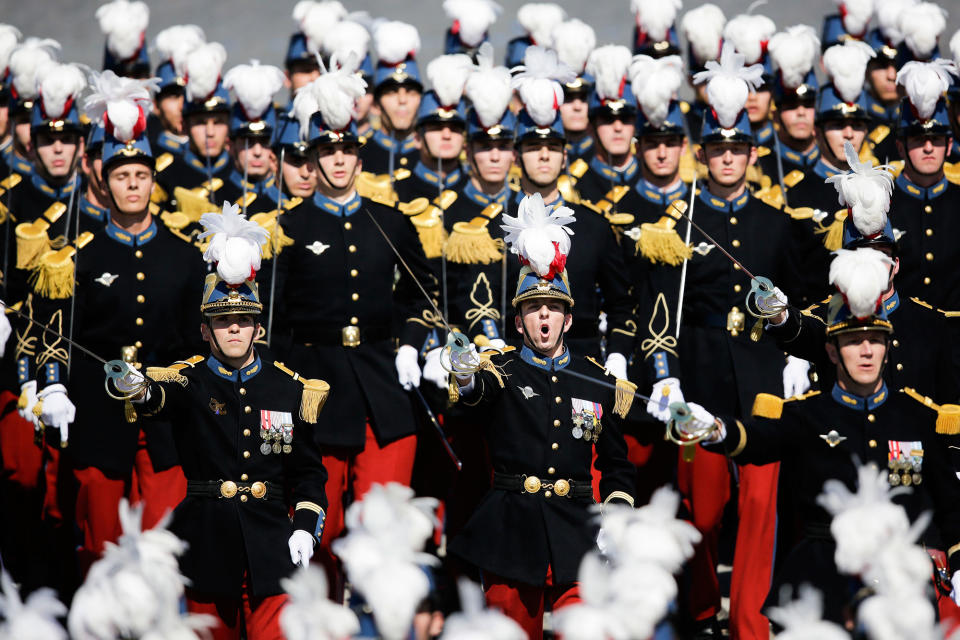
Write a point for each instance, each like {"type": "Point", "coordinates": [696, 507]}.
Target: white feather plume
{"type": "Point", "coordinates": [175, 44]}
{"type": "Point", "coordinates": [856, 15]}
{"type": "Point", "coordinates": [802, 619]}
{"type": "Point", "coordinates": [887, 13]}
{"type": "Point", "coordinates": [925, 83]}
{"type": "Point", "coordinates": [304, 105]}
{"type": "Point", "coordinates": [538, 81]}
{"type": "Point", "coordinates": [58, 84]}
{"type": "Point", "coordinates": [475, 622]}
{"type": "Point", "coordinates": [334, 94]}
{"type": "Point", "coordinates": [846, 64]}
{"type": "Point", "coordinates": [35, 619]}
{"type": "Point", "coordinates": [9, 38]}
{"type": "Point", "coordinates": [317, 19]}
{"type": "Point", "coordinates": [793, 53]}
{"type": "Point", "coordinates": [538, 236]}
{"type": "Point", "coordinates": [921, 25]}
{"type": "Point", "coordinates": [954, 47]}
{"type": "Point", "coordinates": [539, 19]}
{"type": "Point", "coordinates": [310, 614]}
{"type": "Point", "coordinates": [254, 85]}
{"type": "Point", "coordinates": [124, 23]}
{"type": "Point", "coordinates": [729, 83]}
{"type": "Point", "coordinates": [892, 617]}
{"type": "Point", "coordinates": [703, 29]}
{"type": "Point", "coordinates": [862, 276]}
{"type": "Point", "coordinates": [448, 75]}
{"type": "Point", "coordinates": [393, 41]}
{"type": "Point", "coordinates": [609, 65]}
{"type": "Point", "coordinates": [655, 17]}
{"type": "Point", "coordinates": [474, 17]}
{"type": "Point", "coordinates": [748, 32]}
{"type": "Point", "coordinates": [235, 243]}
{"type": "Point", "coordinates": [655, 82]}
{"type": "Point", "coordinates": [121, 101]}
{"type": "Point", "coordinates": [26, 60]}
{"type": "Point", "coordinates": [203, 68]}
{"type": "Point", "coordinates": [866, 190]}
{"type": "Point", "coordinates": [574, 40]}
{"type": "Point", "coordinates": [349, 37]}
{"type": "Point", "coordinates": [488, 88]}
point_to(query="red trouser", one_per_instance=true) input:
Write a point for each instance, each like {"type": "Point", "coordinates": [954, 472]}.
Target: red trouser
{"type": "Point", "coordinates": [358, 470]}
{"type": "Point", "coordinates": [243, 617]}
{"type": "Point", "coordinates": [525, 603]}
{"type": "Point", "coordinates": [22, 458]}
{"type": "Point", "coordinates": [654, 463]}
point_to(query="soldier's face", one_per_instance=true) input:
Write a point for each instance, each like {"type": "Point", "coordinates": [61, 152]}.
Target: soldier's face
{"type": "Point", "coordinates": [835, 134]}
{"type": "Point", "coordinates": [254, 156]}
{"type": "Point", "coordinates": [302, 73]}
{"type": "Point", "coordinates": [363, 106]}
{"type": "Point", "coordinates": [573, 113]}
{"type": "Point", "coordinates": [299, 175]}
{"type": "Point", "coordinates": [545, 321]}
{"type": "Point", "coordinates": [726, 162]}
{"type": "Point", "coordinates": [208, 133]}
{"type": "Point", "coordinates": [443, 141]}
{"type": "Point", "coordinates": [170, 107]}
{"type": "Point", "coordinates": [882, 76]}
{"type": "Point", "coordinates": [492, 159]}
{"type": "Point", "coordinates": [92, 166]}
{"type": "Point", "coordinates": [131, 185]}
{"type": "Point", "coordinates": [661, 154]}
{"type": "Point", "coordinates": [862, 354]}
{"type": "Point", "coordinates": [57, 152]}
{"type": "Point", "coordinates": [926, 153]}
{"type": "Point", "coordinates": [614, 134]}
{"type": "Point", "coordinates": [399, 105]}
{"type": "Point", "coordinates": [543, 160]}
{"type": "Point", "coordinates": [234, 334]}
{"type": "Point", "coordinates": [758, 106]}
{"type": "Point", "coordinates": [797, 122]}
{"type": "Point", "coordinates": [4, 118]}
{"type": "Point", "coordinates": [339, 165]}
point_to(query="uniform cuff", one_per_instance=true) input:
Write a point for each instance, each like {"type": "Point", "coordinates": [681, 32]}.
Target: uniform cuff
{"type": "Point", "coordinates": [309, 516]}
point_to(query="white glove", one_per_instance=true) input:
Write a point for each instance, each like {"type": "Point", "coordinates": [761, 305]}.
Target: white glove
{"type": "Point", "coordinates": [602, 541]}
{"type": "Point", "coordinates": [955, 594]}
{"type": "Point", "coordinates": [130, 382]}
{"type": "Point", "coordinates": [795, 378]}
{"type": "Point", "coordinates": [5, 330]}
{"type": "Point", "coordinates": [472, 359]}
{"type": "Point", "coordinates": [493, 343]}
{"type": "Point", "coordinates": [58, 412]}
{"type": "Point", "coordinates": [408, 371]}
{"type": "Point", "coordinates": [602, 323]}
{"type": "Point", "coordinates": [616, 365]}
{"type": "Point", "coordinates": [774, 303]}
{"type": "Point", "coordinates": [301, 546]}
{"type": "Point", "coordinates": [702, 419]}
{"type": "Point", "coordinates": [659, 404]}
{"type": "Point", "coordinates": [434, 371]}
{"type": "Point", "coordinates": [28, 395]}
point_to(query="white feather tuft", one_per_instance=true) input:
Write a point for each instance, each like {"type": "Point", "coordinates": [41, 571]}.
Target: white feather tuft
{"type": "Point", "coordinates": [9, 38]}
{"type": "Point", "coordinates": [349, 37]}
{"type": "Point", "coordinates": [35, 619]}
{"type": "Point", "coordinates": [235, 243]}
{"type": "Point", "coordinates": [793, 53]}
{"type": "Point", "coordinates": [488, 88]}
{"type": "Point", "coordinates": [473, 18]}
{"type": "Point", "coordinates": [304, 106]}
{"type": "Point", "coordinates": [655, 82]}
{"type": "Point", "coordinates": [539, 236]}
{"type": "Point", "coordinates": [866, 190]}
{"type": "Point", "coordinates": [655, 17]}
{"type": "Point", "coordinates": [925, 83]}
{"type": "Point", "coordinates": [317, 19]}
{"type": "Point", "coordinates": [59, 84]}
{"type": "Point", "coordinates": [474, 621]}
{"type": "Point", "coordinates": [538, 80]}
{"type": "Point", "coordinates": [121, 101]}
{"type": "Point", "coordinates": [574, 40]}
{"type": "Point", "coordinates": [856, 15]}
{"type": "Point", "coordinates": [394, 41]}
{"type": "Point", "coordinates": [539, 19]}
{"type": "Point", "coordinates": [334, 94]}
{"type": "Point", "coordinates": [124, 23]}
{"type": "Point", "coordinates": [202, 70]}
{"type": "Point", "coordinates": [703, 29]}
{"type": "Point", "coordinates": [954, 47]}
{"type": "Point", "coordinates": [921, 26]}
{"type": "Point", "coordinates": [609, 65]}
{"type": "Point", "coordinates": [26, 60]}
{"type": "Point", "coordinates": [887, 13]}
{"type": "Point", "coordinates": [748, 33]}
{"type": "Point", "coordinates": [861, 276]}
{"type": "Point", "coordinates": [175, 44]}
{"type": "Point", "coordinates": [254, 85]}
{"type": "Point", "coordinates": [901, 615]}
{"type": "Point", "coordinates": [448, 75]}
{"type": "Point", "coordinates": [729, 83]}
{"type": "Point", "coordinates": [846, 64]}
{"type": "Point", "coordinates": [802, 619]}
{"type": "Point", "coordinates": [310, 614]}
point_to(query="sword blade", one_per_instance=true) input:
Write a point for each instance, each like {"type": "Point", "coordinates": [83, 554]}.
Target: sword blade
{"type": "Point", "coordinates": [683, 214]}
{"type": "Point", "coordinates": [602, 383]}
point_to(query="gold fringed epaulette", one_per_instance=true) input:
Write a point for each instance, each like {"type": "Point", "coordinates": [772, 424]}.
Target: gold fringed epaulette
{"type": "Point", "coordinates": [172, 373]}
{"type": "Point", "coordinates": [623, 395]}
{"type": "Point", "coordinates": [163, 161]}
{"type": "Point", "coordinates": [193, 203]}
{"type": "Point", "coordinates": [158, 195]}
{"type": "Point", "coordinates": [660, 242]}
{"type": "Point", "coordinates": [429, 221]}
{"type": "Point", "coordinates": [315, 392]}
{"type": "Point", "coordinates": [566, 185]}
{"type": "Point", "coordinates": [471, 243]}
{"type": "Point", "coordinates": [277, 239]}
{"type": "Point", "coordinates": [833, 233]}
{"type": "Point", "coordinates": [879, 133]}
{"type": "Point", "coordinates": [578, 167]}
{"type": "Point", "coordinates": [793, 178]}
{"type": "Point", "coordinates": [375, 187]}
{"type": "Point", "coordinates": [948, 415]}
{"type": "Point", "coordinates": [951, 170]}
{"type": "Point", "coordinates": [53, 275]}
{"type": "Point", "coordinates": [32, 242]}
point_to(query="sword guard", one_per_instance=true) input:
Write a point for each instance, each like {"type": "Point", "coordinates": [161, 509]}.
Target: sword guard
{"type": "Point", "coordinates": [761, 288]}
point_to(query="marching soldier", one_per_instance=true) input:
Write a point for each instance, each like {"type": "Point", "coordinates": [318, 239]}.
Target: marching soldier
{"type": "Point", "coordinates": [883, 96]}
{"type": "Point", "coordinates": [574, 40]}
{"type": "Point", "coordinates": [165, 122]}
{"type": "Point", "coordinates": [124, 23]}
{"type": "Point", "coordinates": [472, 20]}
{"type": "Point", "coordinates": [296, 164]}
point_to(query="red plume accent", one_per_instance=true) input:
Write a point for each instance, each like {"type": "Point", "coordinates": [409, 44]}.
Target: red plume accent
{"type": "Point", "coordinates": [455, 28]}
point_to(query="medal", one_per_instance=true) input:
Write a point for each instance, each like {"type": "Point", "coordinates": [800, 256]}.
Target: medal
{"type": "Point", "coordinates": [907, 480]}
{"type": "Point", "coordinates": [894, 479]}
{"type": "Point", "coordinates": [577, 432]}
{"type": "Point", "coordinates": [265, 448]}
{"type": "Point", "coordinates": [277, 448]}
{"type": "Point", "coordinates": [287, 448]}
{"type": "Point", "coordinates": [287, 437]}
{"type": "Point", "coordinates": [917, 478]}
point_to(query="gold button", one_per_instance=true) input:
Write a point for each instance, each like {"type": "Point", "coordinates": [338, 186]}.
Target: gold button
{"type": "Point", "coordinates": [138, 253]}
{"type": "Point", "coordinates": [926, 280]}
{"type": "Point", "coordinates": [244, 477]}
{"type": "Point", "coordinates": [737, 288]}
{"type": "Point", "coordinates": [558, 399]}
{"type": "Point", "coordinates": [243, 498]}
{"type": "Point", "coordinates": [733, 220]}
{"type": "Point", "coordinates": [246, 432]}
{"type": "Point", "coordinates": [246, 454]}
{"type": "Point", "coordinates": [353, 273]}
{"type": "Point", "coordinates": [736, 267]}
{"type": "Point", "coordinates": [551, 471]}
{"type": "Point", "coordinates": [140, 275]}
{"type": "Point", "coordinates": [247, 409]}
{"type": "Point", "coordinates": [354, 320]}
{"type": "Point", "coordinates": [354, 296]}
{"type": "Point", "coordinates": [928, 209]}
{"type": "Point", "coordinates": [243, 391]}
{"type": "Point", "coordinates": [899, 366]}
{"type": "Point", "coordinates": [929, 232]}
{"type": "Point", "coordinates": [138, 344]}
{"type": "Point", "coordinates": [873, 444]}
{"type": "Point", "coordinates": [141, 299]}
{"type": "Point", "coordinates": [139, 322]}
{"type": "Point", "coordinates": [553, 378]}
{"type": "Point", "coordinates": [556, 423]}
{"type": "Point", "coordinates": [352, 248]}
{"type": "Point", "coordinates": [929, 257]}
{"type": "Point", "coordinates": [347, 226]}
{"type": "Point", "coordinates": [871, 417]}
{"type": "Point", "coordinates": [896, 342]}
{"type": "Point", "coordinates": [403, 161]}
{"type": "Point", "coordinates": [555, 446]}
{"type": "Point", "coordinates": [547, 493]}
{"type": "Point", "coordinates": [735, 243]}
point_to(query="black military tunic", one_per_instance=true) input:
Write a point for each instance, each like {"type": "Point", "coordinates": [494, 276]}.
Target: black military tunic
{"type": "Point", "coordinates": [535, 428]}
{"type": "Point", "coordinates": [217, 416]}
{"type": "Point", "coordinates": [600, 178]}
{"type": "Point", "coordinates": [160, 138]}
{"type": "Point", "coordinates": [188, 170]}
{"type": "Point", "coordinates": [759, 177]}
{"type": "Point", "coordinates": [424, 182]}
{"type": "Point", "coordinates": [881, 139]}
{"type": "Point", "coordinates": [790, 160]}
{"type": "Point", "coordinates": [376, 153]}
{"type": "Point", "coordinates": [262, 195]}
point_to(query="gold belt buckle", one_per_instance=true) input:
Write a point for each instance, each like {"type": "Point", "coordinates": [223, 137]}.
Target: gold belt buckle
{"type": "Point", "coordinates": [228, 488]}
{"type": "Point", "coordinates": [531, 484]}
{"type": "Point", "coordinates": [258, 489]}
{"type": "Point", "coordinates": [736, 321]}
{"type": "Point", "coordinates": [350, 336]}
{"type": "Point", "coordinates": [561, 487]}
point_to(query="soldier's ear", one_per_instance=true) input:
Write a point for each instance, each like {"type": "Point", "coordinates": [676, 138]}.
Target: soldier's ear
{"type": "Point", "coordinates": [567, 322]}
{"type": "Point", "coordinates": [518, 323]}
{"type": "Point", "coordinates": [205, 332]}
{"type": "Point", "coordinates": [832, 352]}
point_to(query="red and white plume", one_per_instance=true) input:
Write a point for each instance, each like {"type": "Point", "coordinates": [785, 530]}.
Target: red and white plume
{"type": "Point", "coordinates": [609, 65]}
{"type": "Point", "coordinates": [254, 85]}
{"type": "Point", "coordinates": [9, 38]}
{"type": "Point", "coordinates": [310, 614]}
{"type": "Point", "coordinates": [925, 83]}
{"type": "Point", "coordinates": [471, 19]}
{"type": "Point", "coordinates": [26, 60]}
{"type": "Point", "coordinates": [855, 15]}
{"type": "Point", "coordinates": [334, 94]}
{"type": "Point", "coordinates": [235, 243]}
{"type": "Point", "coordinates": [846, 64]}
{"type": "Point", "coordinates": [574, 40]}
{"type": "Point", "coordinates": [921, 26]}
{"type": "Point", "coordinates": [488, 88]}
{"type": "Point", "coordinates": [539, 19]}
{"type": "Point", "coordinates": [750, 34]}
{"type": "Point", "coordinates": [793, 53]}
{"type": "Point", "coordinates": [538, 81]}
{"type": "Point", "coordinates": [703, 29]}
{"type": "Point", "coordinates": [861, 276]}
{"type": "Point", "coordinates": [866, 191]}
{"type": "Point", "coordinates": [175, 44]}
{"type": "Point", "coordinates": [729, 83]}
{"type": "Point", "coordinates": [317, 19]}
{"type": "Point", "coordinates": [349, 37]}
{"type": "Point", "coordinates": [539, 237]}
{"type": "Point", "coordinates": [802, 618]}
{"type": "Point", "coordinates": [124, 23]}
{"type": "Point", "coordinates": [448, 76]}
{"type": "Point", "coordinates": [203, 70]}
{"type": "Point", "coordinates": [655, 82]}
{"type": "Point", "coordinates": [120, 103]}
{"type": "Point", "coordinates": [394, 41]}
{"type": "Point", "coordinates": [887, 13]}
{"type": "Point", "coordinates": [59, 86]}
{"type": "Point", "coordinates": [33, 619]}
{"type": "Point", "coordinates": [655, 17]}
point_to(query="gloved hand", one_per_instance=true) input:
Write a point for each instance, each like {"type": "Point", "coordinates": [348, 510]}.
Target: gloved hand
{"type": "Point", "coordinates": [774, 303]}
{"type": "Point", "coordinates": [659, 404]}
{"type": "Point", "coordinates": [5, 330]}
{"type": "Point", "coordinates": [471, 360]}
{"type": "Point", "coordinates": [616, 365]}
{"type": "Point", "coordinates": [795, 377]}
{"type": "Point", "coordinates": [955, 594]}
{"type": "Point", "coordinates": [493, 343]}
{"type": "Point", "coordinates": [434, 371]}
{"type": "Point", "coordinates": [602, 323]}
{"type": "Point", "coordinates": [131, 381]}
{"type": "Point", "coordinates": [57, 410]}
{"type": "Point", "coordinates": [301, 546]}
{"type": "Point", "coordinates": [408, 371]}
{"type": "Point", "coordinates": [28, 400]}
{"type": "Point", "coordinates": [702, 419]}
{"type": "Point", "coordinates": [602, 541]}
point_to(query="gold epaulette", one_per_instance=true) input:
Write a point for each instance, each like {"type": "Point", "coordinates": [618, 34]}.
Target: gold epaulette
{"type": "Point", "coordinates": [660, 242]}
{"type": "Point", "coordinates": [623, 395]}
{"type": "Point", "coordinates": [164, 161]}
{"type": "Point", "coordinates": [193, 203]}
{"type": "Point", "coordinates": [315, 392]}
{"type": "Point", "coordinates": [767, 405]}
{"type": "Point", "coordinates": [879, 133]}
{"type": "Point", "coordinates": [471, 243]}
{"type": "Point", "coordinates": [950, 169]}
{"type": "Point", "coordinates": [401, 174]}
{"type": "Point", "coordinates": [53, 275]}
{"type": "Point", "coordinates": [428, 221]}
{"type": "Point", "coordinates": [172, 373]}
{"type": "Point", "coordinates": [763, 151]}
{"type": "Point", "coordinates": [566, 185]}
{"type": "Point", "coordinates": [245, 200]}
{"type": "Point", "coordinates": [33, 240]}
{"type": "Point", "coordinates": [833, 233]}
{"type": "Point", "coordinates": [277, 239]}
{"type": "Point", "coordinates": [793, 178]}
{"type": "Point", "coordinates": [948, 415]}
{"type": "Point", "coordinates": [578, 167]}
{"type": "Point", "coordinates": [376, 187]}
{"type": "Point", "coordinates": [158, 195]}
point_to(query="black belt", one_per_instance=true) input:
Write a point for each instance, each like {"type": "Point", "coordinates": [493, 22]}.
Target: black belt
{"type": "Point", "coordinates": [533, 484]}
{"type": "Point", "coordinates": [230, 489]}
{"type": "Point", "coordinates": [335, 337]}
{"type": "Point", "coordinates": [818, 531]}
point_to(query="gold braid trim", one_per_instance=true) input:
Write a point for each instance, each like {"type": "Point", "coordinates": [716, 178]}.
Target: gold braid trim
{"type": "Point", "coordinates": [623, 397]}
{"type": "Point", "coordinates": [659, 340]}
{"type": "Point", "coordinates": [498, 373]}
{"type": "Point", "coordinates": [621, 495]}
{"type": "Point", "coordinates": [166, 374]}
{"type": "Point", "coordinates": [833, 233]}
{"type": "Point", "coordinates": [315, 393]}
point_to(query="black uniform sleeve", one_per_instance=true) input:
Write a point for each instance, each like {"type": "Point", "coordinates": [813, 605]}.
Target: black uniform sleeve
{"type": "Point", "coordinates": [760, 440]}
{"type": "Point", "coordinates": [307, 478]}
{"type": "Point", "coordinates": [416, 315]}
{"type": "Point", "coordinates": [802, 335]}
